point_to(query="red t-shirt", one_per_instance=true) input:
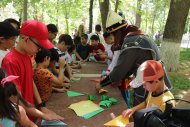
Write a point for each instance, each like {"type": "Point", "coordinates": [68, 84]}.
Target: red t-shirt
{"type": "Point", "coordinates": [95, 49]}
{"type": "Point", "coordinates": [20, 65]}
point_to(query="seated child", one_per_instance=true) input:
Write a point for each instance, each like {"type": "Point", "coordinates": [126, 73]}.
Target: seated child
{"type": "Point", "coordinates": [83, 49]}
{"type": "Point", "coordinates": [64, 43]}
{"type": "Point", "coordinates": [96, 48]}
{"type": "Point", "coordinates": [44, 79]}
{"type": "Point", "coordinates": [150, 74]}
{"type": "Point", "coordinates": [11, 113]}
{"type": "Point", "coordinates": [68, 57]}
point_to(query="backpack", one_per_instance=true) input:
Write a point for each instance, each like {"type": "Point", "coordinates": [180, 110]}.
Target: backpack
{"type": "Point", "coordinates": [171, 117]}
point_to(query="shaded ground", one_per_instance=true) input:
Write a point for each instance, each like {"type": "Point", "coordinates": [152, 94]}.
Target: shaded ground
{"type": "Point", "coordinates": [184, 70]}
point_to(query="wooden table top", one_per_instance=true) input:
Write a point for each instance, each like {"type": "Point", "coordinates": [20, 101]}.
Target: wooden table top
{"type": "Point", "coordinates": [59, 102]}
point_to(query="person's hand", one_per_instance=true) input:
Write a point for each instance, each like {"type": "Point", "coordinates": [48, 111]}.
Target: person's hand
{"type": "Point", "coordinates": [67, 85]}
{"type": "Point", "coordinates": [52, 117]}
{"type": "Point", "coordinates": [131, 124]}
{"type": "Point", "coordinates": [128, 112]}
{"type": "Point", "coordinates": [46, 111]}
{"type": "Point", "coordinates": [98, 87]}
{"type": "Point", "coordinates": [61, 62]}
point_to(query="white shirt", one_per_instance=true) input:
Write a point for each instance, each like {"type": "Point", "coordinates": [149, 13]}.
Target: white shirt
{"type": "Point", "coordinates": [2, 55]}
{"type": "Point", "coordinates": [109, 53]}
{"type": "Point", "coordinates": [114, 60]}
{"type": "Point", "coordinates": [68, 57]}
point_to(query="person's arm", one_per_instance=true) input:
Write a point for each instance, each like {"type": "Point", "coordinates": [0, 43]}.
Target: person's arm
{"type": "Point", "coordinates": [69, 70]}
{"type": "Point", "coordinates": [59, 80]}
{"type": "Point", "coordinates": [39, 114]}
{"type": "Point", "coordinates": [126, 62]}
{"type": "Point", "coordinates": [87, 57]}
{"type": "Point", "coordinates": [78, 56]}
{"type": "Point", "coordinates": [24, 120]}
{"type": "Point", "coordinates": [130, 112]}
{"type": "Point", "coordinates": [114, 60]}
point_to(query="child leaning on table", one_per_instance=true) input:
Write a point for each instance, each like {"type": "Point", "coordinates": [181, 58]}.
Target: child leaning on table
{"type": "Point", "coordinates": [11, 113]}
{"type": "Point", "coordinates": [150, 74]}
{"type": "Point", "coordinates": [44, 79]}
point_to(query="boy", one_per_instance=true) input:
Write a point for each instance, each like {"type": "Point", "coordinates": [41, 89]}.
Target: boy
{"type": "Point", "coordinates": [96, 48]}
{"type": "Point", "coordinates": [83, 49]}
{"type": "Point", "coordinates": [65, 42]}
{"type": "Point", "coordinates": [52, 29]}
{"type": "Point", "coordinates": [150, 74]}
{"type": "Point", "coordinates": [33, 36]}
{"type": "Point", "coordinates": [8, 35]}
{"type": "Point", "coordinates": [109, 41]}
{"type": "Point", "coordinates": [44, 79]}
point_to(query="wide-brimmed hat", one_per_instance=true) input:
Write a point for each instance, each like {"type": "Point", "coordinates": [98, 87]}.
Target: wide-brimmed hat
{"type": "Point", "coordinates": [114, 21]}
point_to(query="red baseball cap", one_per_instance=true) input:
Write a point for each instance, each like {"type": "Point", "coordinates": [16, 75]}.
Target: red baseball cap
{"type": "Point", "coordinates": [38, 31]}
{"type": "Point", "coordinates": [150, 70]}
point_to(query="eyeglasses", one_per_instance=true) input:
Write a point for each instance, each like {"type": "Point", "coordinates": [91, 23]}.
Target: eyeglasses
{"type": "Point", "coordinates": [39, 47]}
{"type": "Point", "coordinates": [55, 33]}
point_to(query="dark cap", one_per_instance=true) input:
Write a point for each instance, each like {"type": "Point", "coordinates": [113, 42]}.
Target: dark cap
{"type": "Point", "coordinates": [7, 30]}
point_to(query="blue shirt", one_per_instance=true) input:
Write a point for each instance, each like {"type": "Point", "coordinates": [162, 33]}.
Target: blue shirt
{"type": "Point", "coordinates": [6, 122]}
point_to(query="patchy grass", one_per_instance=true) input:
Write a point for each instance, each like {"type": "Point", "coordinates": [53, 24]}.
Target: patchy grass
{"type": "Point", "coordinates": [181, 79]}
{"type": "Point", "coordinates": [185, 54]}
{"type": "Point", "coordinates": [179, 82]}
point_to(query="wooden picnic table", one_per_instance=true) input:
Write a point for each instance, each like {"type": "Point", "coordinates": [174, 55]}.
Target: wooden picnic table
{"type": "Point", "coordinates": [59, 102]}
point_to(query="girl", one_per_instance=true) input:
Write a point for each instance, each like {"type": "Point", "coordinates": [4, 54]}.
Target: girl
{"type": "Point", "coordinates": [12, 114]}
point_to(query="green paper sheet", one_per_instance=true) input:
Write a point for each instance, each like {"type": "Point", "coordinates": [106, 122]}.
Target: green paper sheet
{"type": "Point", "coordinates": [84, 107]}
{"type": "Point", "coordinates": [91, 114]}
{"type": "Point", "coordinates": [73, 94]}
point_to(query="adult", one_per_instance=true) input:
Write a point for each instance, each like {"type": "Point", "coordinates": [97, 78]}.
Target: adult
{"type": "Point", "coordinates": [135, 49]}
{"type": "Point", "coordinates": [98, 30]}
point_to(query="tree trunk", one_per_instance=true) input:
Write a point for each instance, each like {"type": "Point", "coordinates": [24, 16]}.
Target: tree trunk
{"type": "Point", "coordinates": [104, 8]}
{"type": "Point", "coordinates": [153, 20]}
{"type": "Point", "coordinates": [173, 33]}
{"type": "Point", "coordinates": [138, 14]}
{"type": "Point", "coordinates": [91, 16]}
{"type": "Point", "coordinates": [25, 10]}
{"type": "Point", "coordinates": [116, 5]}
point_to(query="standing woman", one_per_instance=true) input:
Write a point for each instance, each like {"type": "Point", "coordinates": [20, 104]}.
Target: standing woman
{"type": "Point", "coordinates": [77, 39]}
{"type": "Point", "coordinates": [136, 48]}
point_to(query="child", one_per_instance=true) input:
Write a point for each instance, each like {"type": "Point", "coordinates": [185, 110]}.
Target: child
{"type": "Point", "coordinates": [52, 29]}
{"type": "Point", "coordinates": [83, 49]}
{"type": "Point", "coordinates": [14, 23]}
{"type": "Point", "coordinates": [44, 79]}
{"type": "Point", "coordinates": [150, 74]}
{"type": "Point", "coordinates": [96, 48]}
{"type": "Point", "coordinates": [11, 113]}
{"type": "Point", "coordinates": [33, 36]}
{"type": "Point", "coordinates": [65, 42]}
{"type": "Point", "coordinates": [8, 35]}
{"type": "Point", "coordinates": [109, 41]}
{"type": "Point", "coordinates": [73, 63]}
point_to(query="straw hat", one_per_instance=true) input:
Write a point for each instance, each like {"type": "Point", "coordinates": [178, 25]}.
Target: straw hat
{"type": "Point", "coordinates": [114, 21]}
